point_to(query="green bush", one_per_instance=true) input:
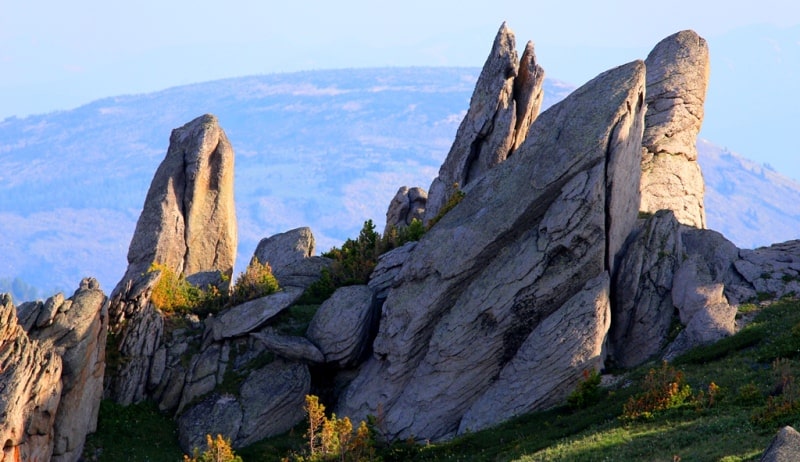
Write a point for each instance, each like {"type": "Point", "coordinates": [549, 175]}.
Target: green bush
{"type": "Point", "coordinates": [587, 392]}
{"type": "Point", "coordinates": [255, 282]}
{"type": "Point", "coordinates": [354, 262]}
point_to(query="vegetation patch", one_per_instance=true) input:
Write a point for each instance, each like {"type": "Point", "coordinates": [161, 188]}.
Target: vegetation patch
{"type": "Point", "coordinates": [354, 262]}
{"type": "Point", "coordinates": [173, 294]}
{"type": "Point", "coordinates": [138, 432]}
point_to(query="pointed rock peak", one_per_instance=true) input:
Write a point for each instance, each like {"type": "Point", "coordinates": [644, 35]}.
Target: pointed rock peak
{"type": "Point", "coordinates": [528, 94]}
{"type": "Point", "coordinates": [188, 221]}
{"type": "Point", "coordinates": [677, 79]}
{"type": "Point", "coordinates": [502, 107]}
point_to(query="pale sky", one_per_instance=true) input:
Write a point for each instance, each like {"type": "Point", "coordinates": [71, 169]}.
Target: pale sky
{"type": "Point", "coordinates": [59, 55]}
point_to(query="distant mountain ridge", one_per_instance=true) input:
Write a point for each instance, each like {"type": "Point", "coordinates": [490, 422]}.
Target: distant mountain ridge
{"type": "Point", "coordinates": [325, 149]}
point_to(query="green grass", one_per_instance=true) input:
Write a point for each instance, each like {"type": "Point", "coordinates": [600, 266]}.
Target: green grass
{"type": "Point", "coordinates": [737, 427]}
{"type": "Point", "coordinates": [138, 432]}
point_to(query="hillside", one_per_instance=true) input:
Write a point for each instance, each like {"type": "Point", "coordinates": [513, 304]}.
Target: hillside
{"type": "Point", "coordinates": [325, 149]}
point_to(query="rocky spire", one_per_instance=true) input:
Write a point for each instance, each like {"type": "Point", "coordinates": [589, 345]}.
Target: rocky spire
{"type": "Point", "coordinates": [188, 222]}
{"type": "Point", "coordinates": [677, 78]}
{"type": "Point", "coordinates": [505, 102]}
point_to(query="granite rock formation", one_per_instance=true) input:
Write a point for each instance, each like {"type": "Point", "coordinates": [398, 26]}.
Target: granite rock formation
{"type": "Point", "coordinates": [30, 394]}
{"type": "Point", "coordinates": [76, 330]}
{"type": "Point", "coordinates": [188, 224]}
{"type": "Point", "coordinates": [677, 78]}
{"type": "Point", "coordinates": [507, 99]}
{"type": "Point", "coordinates": [785, 447]}
{"type": "Point", "coordinates": [407, 205]}
{"type": "Point", "coordinates": [530, 234]}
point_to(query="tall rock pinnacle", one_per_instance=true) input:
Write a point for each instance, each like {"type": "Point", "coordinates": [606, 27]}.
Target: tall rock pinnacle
{"type": "Point", "coordinates": [677, 78]}
{"type": "Point", "coordinates": [505, 102]}
{"type": "Point", "coordinates": [189, 221]}
{"type": "Point", "coordinates": [188, 224]}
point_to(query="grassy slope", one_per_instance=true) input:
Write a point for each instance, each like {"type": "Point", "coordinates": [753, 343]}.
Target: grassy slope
{"type": "Point", "coordinates": [734, 428]}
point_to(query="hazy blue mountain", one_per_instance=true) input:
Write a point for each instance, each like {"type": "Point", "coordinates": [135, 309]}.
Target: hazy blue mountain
{"type": "Point", "coordinates": [326, 149]}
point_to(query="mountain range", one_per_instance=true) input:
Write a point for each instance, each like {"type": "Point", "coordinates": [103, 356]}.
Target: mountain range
{"type": "Point", "coordinates": [325, 149]}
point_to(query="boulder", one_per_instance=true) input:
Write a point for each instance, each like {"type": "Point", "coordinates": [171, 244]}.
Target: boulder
{"type": "Point", "coordinates": [76, 330]}
{"type": "Point", "coordinates": [677, 78]}
{"type": "Point", "coordinates": [785, 447]}
{"type": "Point", "coordinates": [343, 325]}
{"type": "Point", "coordinates": [528, 236]}
{"type": "Point", "coordinates": [289, 347]}
{"type": "Point", "coordinates": [30, 394]}
{"type": "Point", "coordinates": [291, 256]}
{"type": "Point", "coordinates": [642, 307]}
{"type": "Point", "coordinates": [249, 316]}
{"type": "Point", "coordinates": [270, 402]}
{"type": "Point", "coordinates": [214, 415]}
{"type": "Point", "coordinates": [496, 121]}
{"type": "Point", "coordinates": [285, 249]}
{"type": "Point", "coordinates": [407, 205]}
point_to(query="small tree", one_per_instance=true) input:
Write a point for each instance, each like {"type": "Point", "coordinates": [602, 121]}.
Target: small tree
{"type": "Point", "coordinates": [217, 450]}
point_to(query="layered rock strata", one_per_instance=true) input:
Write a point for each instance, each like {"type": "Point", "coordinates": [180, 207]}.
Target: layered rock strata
{"type": "Point", "coordinates": [504, 264]}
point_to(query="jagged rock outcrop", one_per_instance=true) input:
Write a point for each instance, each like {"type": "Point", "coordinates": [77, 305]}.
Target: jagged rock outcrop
{"type": "Point", "coordinates": [75, 329]}
{"type": "Point", "coordinates": [506, 100]}
{"type": "Point", "coordinates": [342, 325]}
{"type": "Point", "coordinates": [785, 447]}
{"type": "Point", "coordinates": [407, 205]}
{"type": "Point", "coordinates": [527, 237]}
{"type": "Point", "coordinates": [674, 274]}
{"type": "Point", "coordinates": [188, 224]}
{"type": "Point", "coordinates": [30, 390]}
{"type": "Point", "coordinates": [677, 78]}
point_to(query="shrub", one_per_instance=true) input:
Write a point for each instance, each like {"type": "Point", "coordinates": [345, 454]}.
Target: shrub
{"type": "Point", "coordinates": [333, 438]}
{"type": "Point", "coordinates": [664, 388]}
{"type": "Point", "coordinates": [587, 392]}
{"type": "Point", "coordinates": [255, 282]}
{"type": "Point", "coordinates": [173, 293]}
{"type": "Point", "coordinates": [784, 400]}
{"type": "Point", "coordinates": [218, 450]}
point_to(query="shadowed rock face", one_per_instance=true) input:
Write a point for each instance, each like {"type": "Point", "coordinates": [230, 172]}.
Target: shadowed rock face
{"type": "Point", "coordinates": [532, 233]}
{"type": "Point", "coordinates": [677, 78]}
{"type": "Point", "coordinates": [188, 222]}
{"type": "Point", "coordinates": [506, 100]}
